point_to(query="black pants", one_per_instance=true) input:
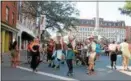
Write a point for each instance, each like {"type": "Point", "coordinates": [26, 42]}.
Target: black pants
{"type": "Point", "coordinates": [35, 61]}
{"type": "Point", "coordinates": [107, 53]}
{"type": "Point", "coordinates": [113, 58]}
{"type": "Point", "coordinates": [70, 65]}
{"type": "Point", "coordinates": [49, 56]}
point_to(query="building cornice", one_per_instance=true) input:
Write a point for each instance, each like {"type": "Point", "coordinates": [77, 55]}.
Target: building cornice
{"type": "Point", "coordinates": [102, 26]}
{"type": "Point", "coordinates": [9, 28]}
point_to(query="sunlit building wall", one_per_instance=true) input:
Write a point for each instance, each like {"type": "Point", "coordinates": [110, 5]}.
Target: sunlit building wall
{"type": "Point", "coordinates": [111, 30]}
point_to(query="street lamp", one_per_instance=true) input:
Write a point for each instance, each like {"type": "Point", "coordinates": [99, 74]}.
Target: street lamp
{"type": "Point", "coordinates": [95, 32]}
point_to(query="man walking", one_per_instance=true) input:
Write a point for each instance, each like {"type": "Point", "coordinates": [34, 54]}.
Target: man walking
{"type": "Point", "coordinates": [92, 51]}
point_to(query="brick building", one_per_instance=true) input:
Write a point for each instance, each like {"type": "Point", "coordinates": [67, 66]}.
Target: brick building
{"type": "Point", "coordinates": [128, 33]}
{"type": "Point", "coordinates": [111, 30]}
{"type": "Point", "coordinates": [8, 24]}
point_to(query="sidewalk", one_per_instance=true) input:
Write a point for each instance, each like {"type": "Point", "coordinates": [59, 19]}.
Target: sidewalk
{"type": "Point", "coordinates": [6, 57]}
{"type": "Point", "coordinates": [23, 58]}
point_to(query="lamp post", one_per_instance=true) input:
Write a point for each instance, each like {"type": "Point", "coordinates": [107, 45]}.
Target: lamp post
{"type": "Point", "coordinates": [95, 32]}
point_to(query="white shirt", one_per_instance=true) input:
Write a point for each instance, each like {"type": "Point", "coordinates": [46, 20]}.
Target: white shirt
{"type": "Point", "coordinates": [112, 47]}
{"type": "Point", "coordinates": [85, 46]}
{"type": "Point", "coordinates": [88, 54]}
{"type": "Point", "coordinates": [93, 46]}
{"type": "Point", "coordinates": [58, 53]}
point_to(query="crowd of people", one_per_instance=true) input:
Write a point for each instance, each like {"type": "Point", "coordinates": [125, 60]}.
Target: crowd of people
{"type": "Point", "coordinates": [86, 53]}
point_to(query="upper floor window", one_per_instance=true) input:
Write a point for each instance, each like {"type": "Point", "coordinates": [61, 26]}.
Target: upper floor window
{"type": "Point", "coordinates": [101, 23]}
{"type": "Point", "coordinates": [92, 22]}
{"type": "Point", "coordinates": [7, 14]}
{"type": "Point", "coordinates": [85, 29]}
{"type": "Point", "coordinates": [13, 20]}
{"type": "Point", "coordinates": [14, 2]}
{"type": "Point", "coordinates": [123, 24]}
{"type": "Point", "coordinates": [105, 24]}
{"type": "Point", "coordinates": [116, 24]}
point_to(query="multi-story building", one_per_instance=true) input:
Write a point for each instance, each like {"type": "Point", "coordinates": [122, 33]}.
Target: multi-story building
{"type": "Point", "coordinates": [8, 24]}
{"type": "Point", "coordinates": [111, 30]}
{"type": "Point", "coordinates": [128, 33]}
{"type": "Point", "coordinates": [26, 23]}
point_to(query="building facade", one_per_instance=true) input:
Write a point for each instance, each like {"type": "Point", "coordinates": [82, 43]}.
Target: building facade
{"type": "Point", "coordinates": [111, 30]}
{"type": "Point", "coordinates": [26, 23]}
{"type": "Point", "coordinates": [128, 33]}
{"type": "Point", "coordinates": [8, 24]}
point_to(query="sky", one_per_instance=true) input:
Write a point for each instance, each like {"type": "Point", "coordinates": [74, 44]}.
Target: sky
{"type": "Point", "coordinates": [107, 10]}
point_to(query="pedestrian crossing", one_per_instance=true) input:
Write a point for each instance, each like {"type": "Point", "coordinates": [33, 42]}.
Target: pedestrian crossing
{"type": "Point", "coordinates": [120, 69]}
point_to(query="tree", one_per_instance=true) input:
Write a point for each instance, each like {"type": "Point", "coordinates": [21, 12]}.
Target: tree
{"type": "Point", "coordinates": [56, 13]}
{"type": "Point", "coordinates": [126, 9]}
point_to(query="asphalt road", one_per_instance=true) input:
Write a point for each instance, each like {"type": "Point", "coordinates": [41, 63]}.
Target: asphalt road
{"type": "Point", "coordinates": [102, 68]}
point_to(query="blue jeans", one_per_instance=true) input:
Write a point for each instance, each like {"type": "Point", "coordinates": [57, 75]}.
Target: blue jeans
{"type": "Point", "coordinates": [57, 62]}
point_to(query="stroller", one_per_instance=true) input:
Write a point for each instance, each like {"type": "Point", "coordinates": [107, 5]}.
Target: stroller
{"type": "Point", "coordinates": [79, 60]}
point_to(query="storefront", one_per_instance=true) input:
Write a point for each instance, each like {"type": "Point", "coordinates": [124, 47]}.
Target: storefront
{"type": "Point", "coordinates": [26, 38]}
{"type": "Point", "coordinates": [24, 35]}
{"type": "Point", "coordinates": [8, 35]}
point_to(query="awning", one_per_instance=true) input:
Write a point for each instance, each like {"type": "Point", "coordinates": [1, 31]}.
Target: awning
{"type": "Point", "coordinates": [26, 36]}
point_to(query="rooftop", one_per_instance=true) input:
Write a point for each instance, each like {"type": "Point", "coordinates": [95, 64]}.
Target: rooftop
{"type": "Point", "coordinates": [102, 22]}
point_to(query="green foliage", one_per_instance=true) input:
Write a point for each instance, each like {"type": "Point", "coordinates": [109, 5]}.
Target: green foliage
{"type": "Point", "coordinates": [57, 13]}
{"type": "Point", "coordinates": [126, 9]}
{"type": "Point", "coordinates": [128, 6]}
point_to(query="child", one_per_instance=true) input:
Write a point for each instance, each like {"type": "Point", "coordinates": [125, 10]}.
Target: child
{"type": "Point", "coordinates": [69, 58]}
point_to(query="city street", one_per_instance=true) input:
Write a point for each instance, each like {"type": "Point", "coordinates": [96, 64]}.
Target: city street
{"type": "Point", "coordinates": [60, 30]}
{"type": "Point", "coordinates": [103, 71]}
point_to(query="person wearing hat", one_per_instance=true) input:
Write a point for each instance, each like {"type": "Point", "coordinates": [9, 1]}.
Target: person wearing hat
{"type": "Point", "coordinates": [92, 51]}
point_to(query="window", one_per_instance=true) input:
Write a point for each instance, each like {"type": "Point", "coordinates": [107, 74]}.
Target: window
{"type": "Point", "coordinates": [110, 24]}
{"type": "Point", "coordinates": [14, 3]}
{"type": "Point", "coordinates": [7, 14]}
{"type": "Point", "coordinates": [80, 29]}
{"type": "Point", "coordinates": [101, 23]}
{"type": "Point", "coordinates": [105, 24]}
{"type": "Point", "coordinates": [86, 22]}
{"type": "Point", "coordinates": [116, 24]}
{"type": "Point", "coordinates": [13, 18]}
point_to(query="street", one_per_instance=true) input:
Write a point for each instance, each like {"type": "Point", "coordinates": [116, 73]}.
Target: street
{"type": "Point", "coordinates": [102, 68]}
{"type": "Point", "coordinates": [59, 28]}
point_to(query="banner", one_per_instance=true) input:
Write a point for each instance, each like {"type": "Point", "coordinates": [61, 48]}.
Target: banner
{"type": "Point", "coordinates": [42, 22]}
